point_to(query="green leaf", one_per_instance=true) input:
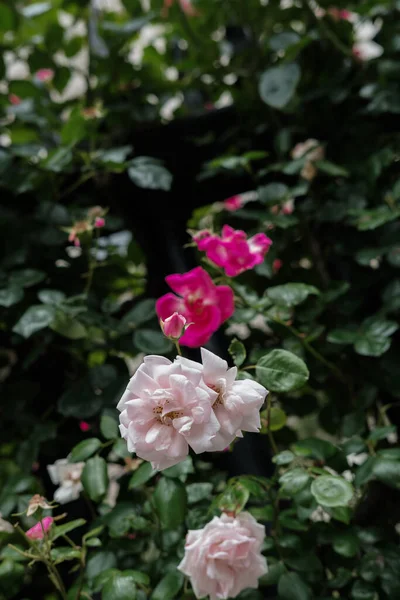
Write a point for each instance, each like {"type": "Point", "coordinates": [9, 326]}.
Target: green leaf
{"type": "Point", "coordinates": [283, 458]}
{"type": "Point", "coordinates": [115, 155]}
{"type": "Point", "coordinates": [11, 295]}
{"type": "Point", "coordinates": [168, 587]}
{"type": "Point", "coordinates": [151, 342]}
{"type": "Point", "coordinates": [277, 419]}
{"type": "Point", "coordinates": [237, 351]}
{"type": "Point", "coordinates": [387, 471]}
{"type": "Point", "coordinates": [281, 371]}
{"type": "Point", "coordinates": [290, 294]}
{"type": "Point", "coordinates": [99, 563]}
{"type": "Point", "coordinates": [281, 41]}
{"type": "Point", "coordinates": [346, 543]}
{"type": "Point", "coordinates": [150, 176]}
{"type": "Point", "coordinates": [342, 336]}
{"type": "Point", "coordinates": [60, 554]}
{"type": "Point", "coordinates": [108, 427]}
{"type": "Point", "coordinates": [57, 160]}
{"type": "Point", "coordinates": [181, 470]}
{"type": "Point", "coordinates": [278, 84]}
{"type": "Point", "coordinates": [142, 311]}
{"type": "Point", "coordinates": [59, 530]}
{"type": "Point", "coordinates": [314, 447]}
{"type": "Point", "coordinates": [143, 474]}
{"type": "Point", "coordinates": [198, 491]}
{"type": "Point", "coordinates": [293, 481]}
{"type": "Point", "coordinates": [329, 490]}
{"type": "Point", "coordinates": [34, 319]}
{"type": "Point", "coordinates": [363, 590]}
{"type": "Point", "coordinates": [7, 20]}
{"type": "Point", "coordinates": [380, 433]}
{"type": "Point", "coordinates": [331, 169]}
{"type": "Point", "coordinates": [120, 586]}
{"type": "Point", "coordinates": [51, 297]}
{"type": "Point", "coordinates": [84, 449]}
{"type": "Point", "coordinates": [373, 337]}
{"type": "Point", "coordinates": [273, 192]}
{"type": "Point", "coordinates": [292, 587]}
{"type": "Point", "coordinates": [233, 498]}
{"type": "Point", "coordinates": [26, 277]}
{"type": "Point", "coordinates": [95, 478]}
{"type": "Point", "coordinates": [169, 501]}
{"type": "Point", "coordinates": [68, 327]}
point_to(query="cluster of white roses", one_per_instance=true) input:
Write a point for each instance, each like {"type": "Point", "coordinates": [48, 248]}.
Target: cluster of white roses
{"type": "Point", "coordinates": [171, 406]}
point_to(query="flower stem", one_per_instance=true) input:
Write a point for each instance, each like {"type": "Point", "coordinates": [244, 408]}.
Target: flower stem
{"type": "Point", "coordinates": [178, 348]}
{"type": "Point", "coordinates": [269, 432]}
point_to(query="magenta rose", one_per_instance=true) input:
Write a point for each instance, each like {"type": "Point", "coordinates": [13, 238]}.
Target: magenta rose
{"type": "Point", "coordinates": [203, 304]}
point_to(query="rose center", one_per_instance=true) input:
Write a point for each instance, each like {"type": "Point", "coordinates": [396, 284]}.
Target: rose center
{"type": "Point", "coordinates": [219, 399]}
{"type": "Point", "coordinates": [168, 417]}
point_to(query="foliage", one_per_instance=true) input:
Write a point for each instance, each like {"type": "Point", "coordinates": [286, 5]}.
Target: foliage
{"type": "Point", "coordinates": [319, 327]}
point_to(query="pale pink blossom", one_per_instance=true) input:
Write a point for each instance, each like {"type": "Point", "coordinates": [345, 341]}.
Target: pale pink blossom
{"type": "Point", "coordinates": [233, 203]}
{"type": "Point", "coordinates": [203, 304]}
{"type": "Point", "coordinates": [224, 557]}
{"type": "Point", "coordinates": [174, 326]}
{"type": "Point", "coordinates": [84, 426]}
{"type": "Point", "coordinates": [165, 409]}
{"type": "Point", "coordinates": [37, 501]}
{"type": "Point", "coordinates": [37, 531]}
{"type": "Point", "coordinates": [99, 222]}
{"type": "Point", "coordinates": [45, 75]}
{"type": "Point", "coordinates": [310, 148]}
{"type": "Point", "coordinates": [233, 251]}
{"type": "Point", "coordinates": [288, 207]}
{"type": "Point", "coordinates": [238, 402]}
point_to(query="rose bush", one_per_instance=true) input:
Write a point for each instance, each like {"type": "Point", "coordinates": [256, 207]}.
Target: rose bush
{"type": "Point", "coordinates": [277, 122]}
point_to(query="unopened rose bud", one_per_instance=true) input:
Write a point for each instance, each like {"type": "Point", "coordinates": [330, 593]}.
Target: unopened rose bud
{"type": "Point", "coordinates": [174, 326]}
{"type": "Point", "coordinates": [45, 74]}
{"type": "Point", "coordinates": [37, 531]}
{"type": "Point", "coordinates": [99, 222]}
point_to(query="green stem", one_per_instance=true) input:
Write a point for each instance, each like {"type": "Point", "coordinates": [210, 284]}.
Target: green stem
{"type": "Point", "coordinates": [82, 179]}
{"type": "Point", "coordinates": [324, 29]}
{"type": "Point", "coordinates": [269, 432]}
{"type": "Point", "coordinates": [178, 348]}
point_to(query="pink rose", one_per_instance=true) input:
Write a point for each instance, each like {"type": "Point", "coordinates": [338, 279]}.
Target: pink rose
{"type": "Point", "coordinates": [233, 203]}
{"type": "Point", "coordinates": [237, 406]}
{"type": "Point", "coordinates": [84, 426]}
{"type": "Point", "coordinates": [164, 410]}
{"type": "Point", "coordinates": [36, 532]}
{"type": "Point", "coordinates": [45, 75]}
{"type": "Point", "coordinates": [99, 222]}
{"type": "Point", "coordinates": [225, 557]}
{"type": "Point", "coordinates": [233, 251]}
{"type": "Point", "coordinates": [174, 326]}
{"type": "Point", "coordinates": [203, 304]}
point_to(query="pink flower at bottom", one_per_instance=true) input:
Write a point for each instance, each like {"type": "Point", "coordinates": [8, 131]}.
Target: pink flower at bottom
{"type": "Point", "coordinates": [36, 532]}
{"type": "Point", "coordinates": [224, 557]}
{"type": "Point", "coordinates": [233, 251]}
{"type": "Point", "coordinates": [44, 75]}
{"type": "Point", "coordinates": [233, 203]}
{"type": "Point", "coordinates": [164, 410]}
{"type": "Point", "coordinates": [203, 304]}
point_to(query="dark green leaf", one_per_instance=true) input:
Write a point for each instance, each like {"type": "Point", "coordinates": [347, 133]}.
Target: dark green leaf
{"type": "Point", "coordinates": [120, 586]}
{"type": "Point", "coordinates": [169, 501]}
{"type": "Point", "coordinates": [11, 295]}
{"type": "Point", "coordinates": [346, 543]}
{"type": "Point", "coordinates": [168, 587]}
{"type": "Point", "coordinates": [329, 490]}
{"type": "Point", "coordinates": [292, 587]}
{"type": "Point", "coordinates": [95, 478]}
{"type": "Point", "coordinates": [34, 319]}
{"type": "Point", "coordinates": [362, 590]}
{"type": "Point", "coordinates": [151, 342]}
{"type": "Point", "coordinates": [51, 297]}
{"type": "Point", "coordinates": [281, 371]}
{"type": "Point", "coordinates": [294, 480]}
{"type": "Point", "coordinates": [84, 449]}
{"type": "Point", "coordinates": [143, 474]}
{"type": "Point", "coordinates": [290, 294]}
{"type": "Point", "coordinates": [60, 554]}
{"type": "Point", "coordinates": [142, 311]}
{"type": "Point", "coordinates": [59, 530]}
{"type": "Point", "coordinates": [108, 427]}
{"type": "Point", "coordinates": [26, 277]}
{"type": "Point", "coordinates": [278, 84]}
{"type": "Point", "coordinates": [237, 351]}
{"type": "Point", "coordinates": [150, 176]}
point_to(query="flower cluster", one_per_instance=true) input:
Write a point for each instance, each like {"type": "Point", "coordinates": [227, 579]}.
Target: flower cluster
{"type": "Point", "coordinates": [233, 251]}
{"type": "Point", "coordinates": [203, 304]}
{"type": "Point", "coordinates": [225, 557]}
{"type": "Point", "coordinates": [171, 406]}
